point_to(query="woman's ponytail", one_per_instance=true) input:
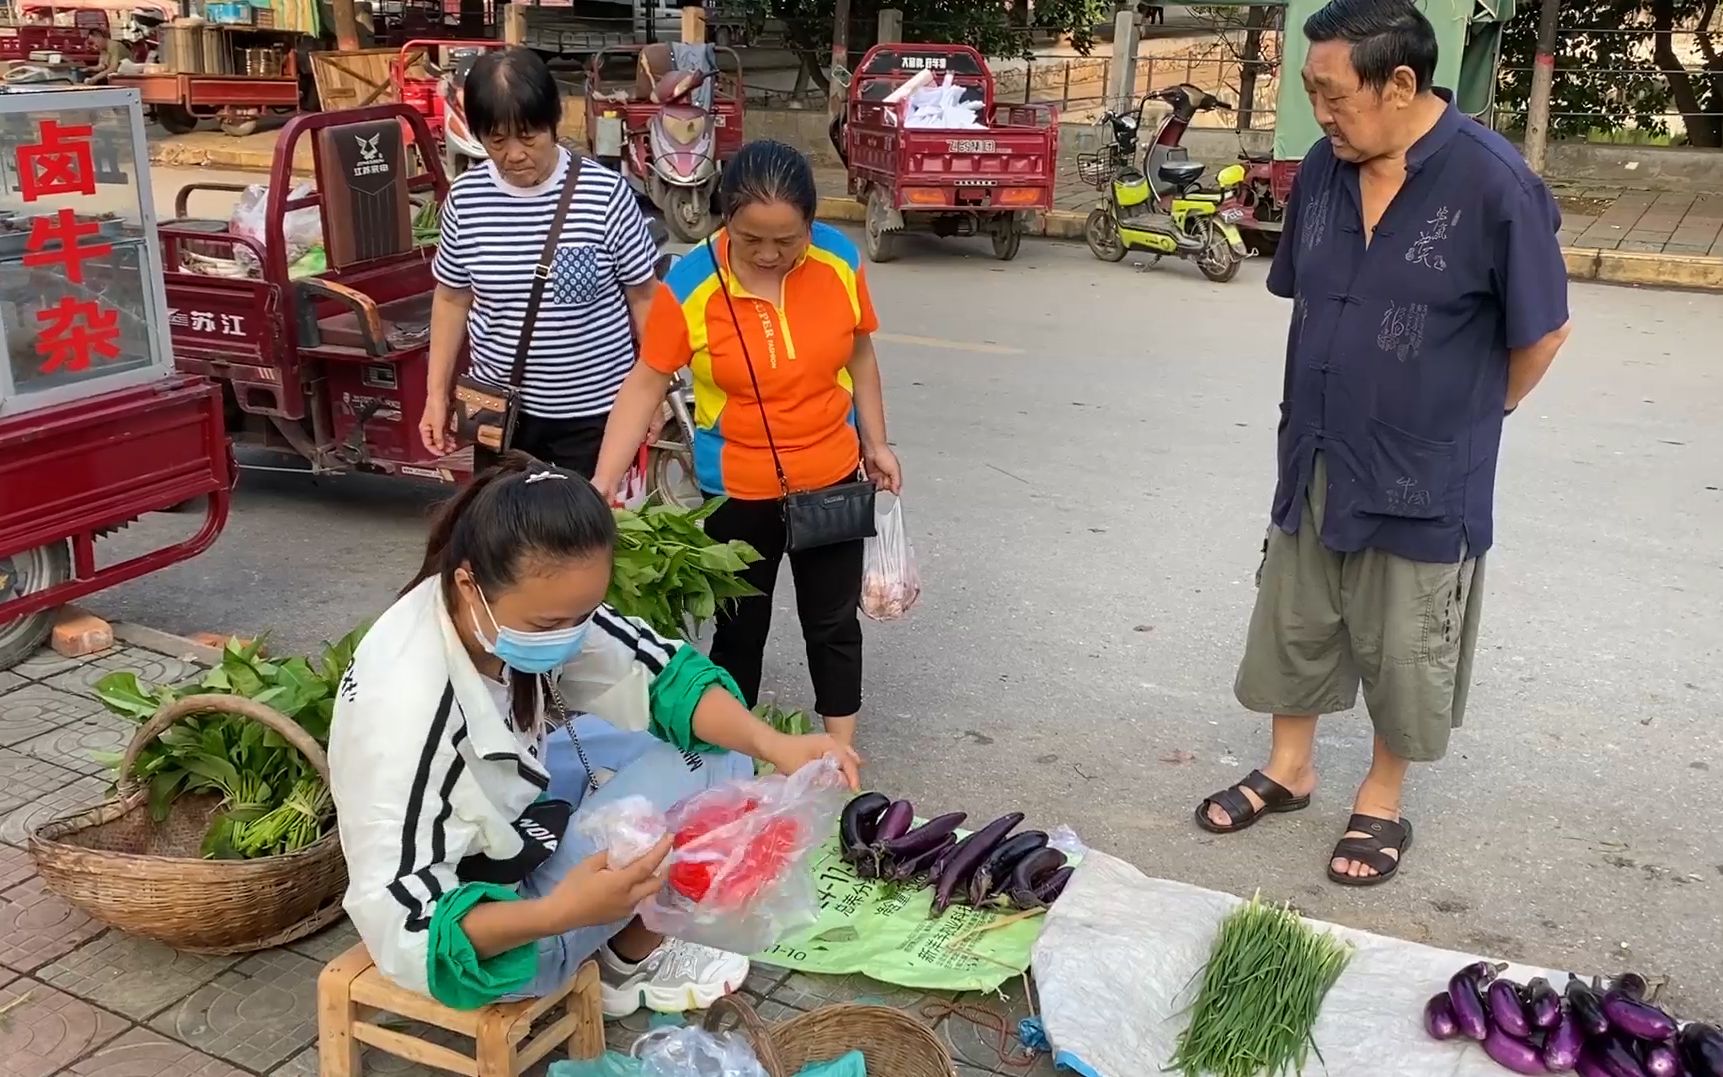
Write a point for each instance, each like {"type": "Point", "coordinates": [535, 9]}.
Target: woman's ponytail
{"type": "Point", "coordinates": [450, 512]}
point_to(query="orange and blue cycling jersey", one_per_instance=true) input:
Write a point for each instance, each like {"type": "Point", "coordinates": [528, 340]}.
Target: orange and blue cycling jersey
{"type": "Point", "coordinates": [800, 349]}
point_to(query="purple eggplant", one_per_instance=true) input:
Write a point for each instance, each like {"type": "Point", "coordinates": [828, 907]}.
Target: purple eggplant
{"type": "Point", "coordinates": [1641, 1020]}
{"type": "Point", "coordinates": [1618, 1056]}
{"type": "Point", "coordinates": [1661, 1061]}
{"type": "Point", "coordinates": [995, 870]}
{"type": "Point", "coordinates": [1042, 894]}
{"type": "Point", "coordinates": [905, 870]}
{"type": "Point", "coordinates": [1562, 1044]}
{"type": "Point", "coordinates": [1512, 1052]}
{"type": "Point", "coordinates": [1589, 1065]}
{"type": "Point", "coordinates": [1506, 1009]}
{"type": "Point", "coordinates": [954, 868]}
{"type": "Point", "coordinates": [894, 822]}
{"type": "Point", "coordinates": [913, 843]}
{"type": "Point", "coordinates": [1587, 1008]}
{"type": "Point", "coordinates": [1048, 892]}
{"type": "Point", "coordinates": [1033, 870]}
{"type": "Point", "coordinates": [1439, 1018]}
{"type": "Point", "coordinates": [1465, 995]}
{"type": "Point", "coordinates": [1701, 1048]}
{"type": "Point", "coordinates": [857, 823]}
{"type": "Point", "coordinates": [1543, 1005]}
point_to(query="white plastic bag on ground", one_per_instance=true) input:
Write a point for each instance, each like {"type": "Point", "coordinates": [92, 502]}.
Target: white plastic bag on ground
{"type": "Point", "coordinates": [891, 583]}
{"type": "Point", "coordinates": [1118, 961]}
{"type": "Point", "coordinates": [691, 1051]}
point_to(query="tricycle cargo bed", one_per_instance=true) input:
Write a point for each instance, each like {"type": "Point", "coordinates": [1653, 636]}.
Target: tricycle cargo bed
{"type": "Point", "coordinates": [1015, 158]}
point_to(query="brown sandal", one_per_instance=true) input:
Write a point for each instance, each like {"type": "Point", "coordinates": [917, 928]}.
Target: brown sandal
{"type": "Point", "coordinates": [1372, 851]}
{"type": "Point", "coordinates": [1242, 813]}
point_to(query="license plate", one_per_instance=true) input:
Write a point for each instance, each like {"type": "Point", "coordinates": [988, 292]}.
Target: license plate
{"type": "Point", "coordinates": [1231, 216]}
{"type": "Point", "coordinates": [720, 120]}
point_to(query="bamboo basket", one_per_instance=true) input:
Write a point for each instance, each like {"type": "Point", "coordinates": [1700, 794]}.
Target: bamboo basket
{"type": "Point", "coordinates": [148, 878]}
{"type": "Point", "coordinates": [893, 1043]}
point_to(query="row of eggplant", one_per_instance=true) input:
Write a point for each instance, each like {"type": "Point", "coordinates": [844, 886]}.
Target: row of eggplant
{"type": "Point", "coordinates": [990, 867]}
{"type": "Point", "coordinates": [1585, 1029]}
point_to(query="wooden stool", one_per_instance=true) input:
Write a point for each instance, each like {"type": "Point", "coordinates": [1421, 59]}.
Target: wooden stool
{"type": "Point", "coordinates": [350, 992]}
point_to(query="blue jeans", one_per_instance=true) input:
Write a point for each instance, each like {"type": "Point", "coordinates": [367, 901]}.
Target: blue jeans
{"type": "Point", "coordinates": [644, 766]}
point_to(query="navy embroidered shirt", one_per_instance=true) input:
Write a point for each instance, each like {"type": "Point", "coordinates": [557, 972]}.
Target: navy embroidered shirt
{"type": "Point", "coordinates": [1397, 357]}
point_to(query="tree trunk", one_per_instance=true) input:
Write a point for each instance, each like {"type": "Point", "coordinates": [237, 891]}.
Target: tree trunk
{"type": "Point", "coordinates": [1703, 131]}
{"type": "Point", "coordinates": [1254, 22]}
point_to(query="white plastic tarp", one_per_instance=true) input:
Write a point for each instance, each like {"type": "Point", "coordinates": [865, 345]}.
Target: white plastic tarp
{"type": "Point", "coordinates": [1118, 965]}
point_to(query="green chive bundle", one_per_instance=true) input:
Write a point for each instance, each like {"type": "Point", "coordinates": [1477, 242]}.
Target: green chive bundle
{"type": "Point", "coordinates": [1261, 991]}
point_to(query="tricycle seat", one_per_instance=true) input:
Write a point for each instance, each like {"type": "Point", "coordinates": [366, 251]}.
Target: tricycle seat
{"type": "Point", "coordinates": [402, 325]}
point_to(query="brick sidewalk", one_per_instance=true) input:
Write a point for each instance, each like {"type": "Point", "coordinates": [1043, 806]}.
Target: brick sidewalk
{"type": "Point", "coordinates": [80, 999]}
{"type": "Point", "coordinates": [1645, 222]}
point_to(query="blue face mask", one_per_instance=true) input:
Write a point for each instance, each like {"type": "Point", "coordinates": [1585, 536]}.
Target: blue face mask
{"type": "Point", "coordinates": [531, 652]}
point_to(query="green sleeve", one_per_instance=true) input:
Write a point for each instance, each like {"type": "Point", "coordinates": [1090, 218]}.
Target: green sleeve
{"type": "Point", "coordinates": [677, 691]}
{"type": "Point", "coordinates": [459, 978]}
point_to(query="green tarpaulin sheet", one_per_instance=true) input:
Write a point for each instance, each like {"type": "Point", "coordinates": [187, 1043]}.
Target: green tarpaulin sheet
{"type": "Point", "coordinates": [884, 932]}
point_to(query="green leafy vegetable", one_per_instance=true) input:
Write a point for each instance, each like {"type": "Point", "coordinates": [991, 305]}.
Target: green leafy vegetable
{"type": "Point", "coordinates": [272, 801]}
{"type": "Point", "coordinates": [1261, 991]}
{"type": "Point", "coordinates": [669, 574]}
{"type": "Point", "coordinates": [791, 722]}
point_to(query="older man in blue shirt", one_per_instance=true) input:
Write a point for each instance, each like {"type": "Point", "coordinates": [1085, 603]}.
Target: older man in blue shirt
{"type": "Point", "coordinates": [1428, 297]}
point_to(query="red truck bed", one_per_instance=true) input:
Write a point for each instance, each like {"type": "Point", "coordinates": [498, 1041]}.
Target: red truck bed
{"type": "Point", "coordinates": [1010, 165]}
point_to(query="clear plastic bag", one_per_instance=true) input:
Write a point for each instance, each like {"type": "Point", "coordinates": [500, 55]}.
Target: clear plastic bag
{"type": "Point", "coordinates": [737, 877]}
{"type": "Point", "coordinates": [625, 828]}
{"type": "Point", "coordinates": [891, 584]}
{"type": "Point", "coordinates": [691, 1051]}
{"type": "Point", "coordinates": [302, 230]}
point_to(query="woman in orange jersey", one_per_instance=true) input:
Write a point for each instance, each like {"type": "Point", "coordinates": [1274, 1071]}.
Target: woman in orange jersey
{"type": "Point", "coordinates": [774, 318]}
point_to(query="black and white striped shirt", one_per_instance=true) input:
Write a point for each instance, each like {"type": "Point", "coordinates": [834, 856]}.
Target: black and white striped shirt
{"type": "Point", "coordinates": [582, 344]}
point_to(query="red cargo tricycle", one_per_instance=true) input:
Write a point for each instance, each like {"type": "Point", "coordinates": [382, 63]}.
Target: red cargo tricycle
{"type": "Point", "coordinates": [96, 427]}
{"type": "Point", "coordinates": [329, 366]}
{"type": "Point", "coordinates": [962, 181]}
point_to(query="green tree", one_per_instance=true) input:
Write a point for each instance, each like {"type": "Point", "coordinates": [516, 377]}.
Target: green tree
{"type": "Point", "coordinates": [1619, 64]}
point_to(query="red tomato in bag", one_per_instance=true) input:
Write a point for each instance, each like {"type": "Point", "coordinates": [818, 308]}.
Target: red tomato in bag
{"type": "Point", "coordinates": [692, 878]}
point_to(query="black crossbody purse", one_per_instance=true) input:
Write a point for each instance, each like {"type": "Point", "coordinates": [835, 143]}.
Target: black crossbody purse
{"type": "Point", "coordinates": [812, 518]}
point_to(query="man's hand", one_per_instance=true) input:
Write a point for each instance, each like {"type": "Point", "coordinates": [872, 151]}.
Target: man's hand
{"type": "Point", "coordinates": [595, 893]}
{"type": "Point", "coordinates": [788, 754]}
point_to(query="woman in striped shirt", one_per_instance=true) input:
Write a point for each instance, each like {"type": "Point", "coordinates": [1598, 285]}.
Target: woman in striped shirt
{"type": "Point", "coordinates": [494, 226]}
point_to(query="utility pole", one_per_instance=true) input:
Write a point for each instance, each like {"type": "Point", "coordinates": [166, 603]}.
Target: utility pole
{"type": "Point", "coordinates": [346, 25]}
{"type": "Point", "coordinates": [1543, 79]}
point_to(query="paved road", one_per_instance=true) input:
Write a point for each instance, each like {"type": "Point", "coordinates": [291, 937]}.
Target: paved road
{"type": "Point", "coordinates": [1089, 453]}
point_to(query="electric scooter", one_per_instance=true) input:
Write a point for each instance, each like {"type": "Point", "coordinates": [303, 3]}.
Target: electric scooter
{"type": "Point", "coordinates": [682, 158]}
{"type": "Point", "coordinates": [1167, 214]}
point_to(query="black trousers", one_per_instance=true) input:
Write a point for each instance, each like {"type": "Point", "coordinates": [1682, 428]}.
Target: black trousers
{"type": "Point", "coordinates": [828, 588]}
{"type": "Point", "coordinates": [571, 444]}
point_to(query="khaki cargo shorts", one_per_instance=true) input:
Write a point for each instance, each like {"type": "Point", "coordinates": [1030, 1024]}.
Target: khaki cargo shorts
{"type": "Point", "coordinates": [1324, 622]}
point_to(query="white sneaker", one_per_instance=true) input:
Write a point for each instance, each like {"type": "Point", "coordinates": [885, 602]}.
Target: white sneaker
{"type": "Point", "coordinates": [676, 977]}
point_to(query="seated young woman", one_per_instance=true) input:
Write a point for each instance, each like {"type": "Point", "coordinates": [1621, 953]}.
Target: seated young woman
{"type": "Point", "coordinates": [471, 731]}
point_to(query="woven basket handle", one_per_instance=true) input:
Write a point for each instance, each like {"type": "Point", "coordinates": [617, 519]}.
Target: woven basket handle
{"type": "Point", "coordinates": [752, 1027]}
{"type": "Point", "coordinates": [180, 709]}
